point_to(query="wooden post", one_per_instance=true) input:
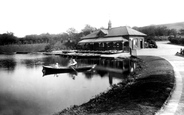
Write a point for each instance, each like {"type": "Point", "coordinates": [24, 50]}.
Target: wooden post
{"type": "Point", "coordinates": [143, 43]}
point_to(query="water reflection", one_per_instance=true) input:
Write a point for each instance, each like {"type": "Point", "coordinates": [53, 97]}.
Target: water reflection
{"type": "Point", "coordinates": [32, 63]}
{"type": "Point", "coordinates": [106, 67]}
{"type": "Point", "coordinates": [73, 75]}
{"type": "Point", "coordinates": [89, 74]}
{"type": "Point", "coordinates": [123, 64]}
{"type": "Point", "coordinates": [111, 68]}
{"type": "Point", "coordinates": [8, 64]}
{"type": "Point", "coordinates": [25, 91]}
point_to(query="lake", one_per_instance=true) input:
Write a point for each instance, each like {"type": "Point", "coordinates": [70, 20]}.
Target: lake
{"type": "Point", "coordinates": [25, 91]}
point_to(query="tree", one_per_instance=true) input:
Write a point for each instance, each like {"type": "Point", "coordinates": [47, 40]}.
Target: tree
{"type": "Point", "coordinates": [181, 31]}
{"type": "Point", "coordinates": [102, 27]}
{"type": "Point", "coordinates": [72, 34]}
{"type": "Point", "coordinates": [71, 31]}
{"type": "Point", "coordinates": [161, 31]}
{"type": "Point", "coordinates": [7, 38]}
{"type": "Point", "coordinates": [88, 29]}
{"type": "Point", "coordinates": [172, 32]}
{"type": "Point", "coordinates": [73, 38]}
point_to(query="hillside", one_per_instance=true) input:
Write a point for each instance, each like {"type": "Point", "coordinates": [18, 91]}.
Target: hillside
{"type": "Point", "coordinates": [177, 26]}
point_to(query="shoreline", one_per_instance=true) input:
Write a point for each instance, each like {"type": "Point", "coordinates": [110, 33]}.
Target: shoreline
{"type": "Point", "coordinates": [22, 49]}
{"type": "Point", "coordinates": [147, 89]}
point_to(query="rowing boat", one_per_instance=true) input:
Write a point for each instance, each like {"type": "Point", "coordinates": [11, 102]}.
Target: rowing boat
{"type": "Point", "coordinates": [53, 70]}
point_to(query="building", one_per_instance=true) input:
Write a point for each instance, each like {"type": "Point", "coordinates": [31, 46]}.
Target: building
{"type": "Point", "coordinates": [118, 38]}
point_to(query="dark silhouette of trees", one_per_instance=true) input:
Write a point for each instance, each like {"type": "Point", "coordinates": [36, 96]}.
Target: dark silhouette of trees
{"type": "Point", "coordinates": [172, 32]}
{"type": "Point", "coordinates": [7, 38]}
{"type": "Point", "coordinates": [65, 40]}
{"type": "Point", "coordinates": [73, 38]}
{"type": "Point", "coordinates": [181, 31]}
{"type": "Point", "coordinates": [157, 32]}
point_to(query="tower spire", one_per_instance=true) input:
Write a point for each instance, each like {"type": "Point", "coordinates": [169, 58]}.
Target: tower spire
{"type": "Point", "coordinates": [109, 25]}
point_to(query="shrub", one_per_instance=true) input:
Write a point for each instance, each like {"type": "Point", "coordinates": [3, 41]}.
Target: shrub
{"type": "Point", "coordinates": [176, 39]}
{"type": "Point", "coordinates": [48, 48]}
{"type": "Point", "coordinates": [161, 38]}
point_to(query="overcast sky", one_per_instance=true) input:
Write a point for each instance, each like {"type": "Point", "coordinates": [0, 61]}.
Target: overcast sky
{"type": "Point", "coordinates": [25, 17]}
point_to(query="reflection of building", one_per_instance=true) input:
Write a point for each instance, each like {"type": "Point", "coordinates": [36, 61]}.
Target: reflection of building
{"type": "Point", "coordinates": [119, 38]}
{"type": "Point", "coordinates": [107, 64]}
{"type": "Point", "coordinates": [111, 68]}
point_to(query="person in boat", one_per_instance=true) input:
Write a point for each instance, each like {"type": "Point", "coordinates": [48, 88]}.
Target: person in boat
{"type": "Point", "coordinates": [57, 65]}
{"type": "Point", "coordinates": [72, 63]}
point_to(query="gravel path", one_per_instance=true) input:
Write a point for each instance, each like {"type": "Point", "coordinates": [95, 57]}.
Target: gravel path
{"type": "Point", "coordinates": [175, 104]}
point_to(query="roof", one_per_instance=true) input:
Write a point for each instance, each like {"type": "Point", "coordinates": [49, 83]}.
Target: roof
{"type": "Point", "coordinates": [104, 31]}
{"type": "Point", "coordinates": [118, 31]}
{"type": "Point", "coordinates": [92, 35]}
{"type": "Point", "coordinates": [110, 39]}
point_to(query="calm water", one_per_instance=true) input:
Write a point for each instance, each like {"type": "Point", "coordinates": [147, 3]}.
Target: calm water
{"type": "Point", "coordinates": [24, 90]}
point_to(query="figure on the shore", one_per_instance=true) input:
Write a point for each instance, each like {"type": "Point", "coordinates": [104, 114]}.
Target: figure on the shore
{"type": "Point", "coordinates": [182, 51]}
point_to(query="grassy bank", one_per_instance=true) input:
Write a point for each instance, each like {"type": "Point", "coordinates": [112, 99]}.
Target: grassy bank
{"type": "Point", "coordinates": [145, 95]}
{"type": "Point", "coordinates": [23, 48]}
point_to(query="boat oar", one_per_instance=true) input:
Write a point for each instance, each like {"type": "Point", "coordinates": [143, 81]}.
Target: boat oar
{"type": "Point", "coordinates": [74, 69]}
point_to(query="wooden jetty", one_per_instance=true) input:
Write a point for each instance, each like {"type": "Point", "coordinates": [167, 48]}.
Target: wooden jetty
{"type": "Point", "coordinates": [88, 55]}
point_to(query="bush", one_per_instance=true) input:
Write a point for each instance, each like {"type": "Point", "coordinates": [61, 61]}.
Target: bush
{"type": "Point", "coordinates": [176, 39]}
{"type": "Point", "coordinates": [161, 38]}
{"type": "Point", "coordinates": [48, 48]}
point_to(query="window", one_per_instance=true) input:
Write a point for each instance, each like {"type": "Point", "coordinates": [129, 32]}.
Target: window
{"type": "Point", "coordinates": [135, 42]}
{"type": "Point", "coordinates": [102, 44]}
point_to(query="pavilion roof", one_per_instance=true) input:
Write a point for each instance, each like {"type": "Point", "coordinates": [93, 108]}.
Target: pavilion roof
{"type": "Point", "coordinates": [118, 31]}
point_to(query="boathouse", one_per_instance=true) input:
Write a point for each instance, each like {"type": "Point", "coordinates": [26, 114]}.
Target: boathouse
{"type": "Point", "coordinates": [117, 38]}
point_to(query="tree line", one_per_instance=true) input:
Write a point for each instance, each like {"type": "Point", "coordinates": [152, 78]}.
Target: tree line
{"type": "Point", "coordinates": [154, 32]}
{"type": "Point", "coordinates": [70, 38]}
{"type": "Point", "coordinates": [160, 33]}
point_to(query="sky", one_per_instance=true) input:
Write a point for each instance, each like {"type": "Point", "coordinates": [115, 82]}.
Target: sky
{"type": "Point", "coordinates": [25, 17]}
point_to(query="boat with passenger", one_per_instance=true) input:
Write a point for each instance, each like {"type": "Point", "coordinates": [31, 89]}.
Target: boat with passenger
{"type": "Point", "coordinates": [54, 70]}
